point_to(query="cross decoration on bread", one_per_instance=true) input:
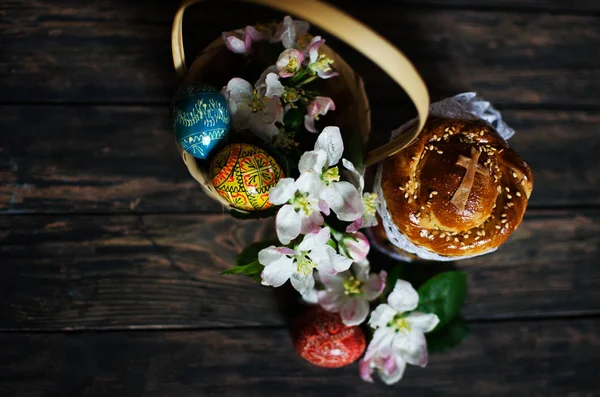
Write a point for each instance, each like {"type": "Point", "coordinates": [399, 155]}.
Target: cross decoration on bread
{"type": "Point", "coordinates": [459, 199]}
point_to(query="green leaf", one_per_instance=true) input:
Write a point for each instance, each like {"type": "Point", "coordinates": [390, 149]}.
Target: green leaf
{"type": "Point", "coordinates": [294, 118]}
{"type": "Point", "coordinates": [443, 295]}
{"type": "Point", "coordinates": [332, 244]}
{"type": "Point", "coordinates": [447, 337]}
{"type": "Point", "coordinates": [252, 270]}
{"type": "Point", "coordinates": [250, 253]}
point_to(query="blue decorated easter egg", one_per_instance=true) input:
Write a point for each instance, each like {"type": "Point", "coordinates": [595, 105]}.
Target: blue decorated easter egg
{"type": "Point", "coordinates": [201, 119]}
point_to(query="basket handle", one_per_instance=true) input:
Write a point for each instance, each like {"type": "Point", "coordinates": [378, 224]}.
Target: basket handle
{"type": "Point", "coordinates": [355, 34]}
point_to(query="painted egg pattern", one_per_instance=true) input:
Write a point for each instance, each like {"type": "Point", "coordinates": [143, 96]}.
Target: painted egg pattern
{"type": "Point", "coordinates": [201, 119]}
{"type": "Point", "coordinates": [243, 174]}
{"type": "Point", "coordinates": [322, 339]}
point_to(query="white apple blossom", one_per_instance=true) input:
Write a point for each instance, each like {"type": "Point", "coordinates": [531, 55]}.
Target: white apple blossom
{"type": "Point", "coordinates": [252, 110]}
{"type": "Point", "coordinates": [287, 32]}
{"type": "Point", "coordinates": [297, 264]}
{"type": "Point", "coordinates": [317, 107]}
{"type": "Point", "coordinates": [369, 199]}
{"type": "Point", "coordinates": [399, 336]}
{"type": "Point", "coordinates": [301, 212]}
{"type": "Point", "coordinates": [320, 174]}
{"type": "Point", "coordinates": [349, 293]}
{"type": "Point", "coordinates": [319, 64]}
{"type": "Point", "coordinates": [289, 62]}
{"type": "Point", "coordinates": [240, 40]}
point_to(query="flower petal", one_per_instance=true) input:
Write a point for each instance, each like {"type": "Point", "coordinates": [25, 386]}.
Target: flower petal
{"type": "Point", "coordinates": [391, 374]}
{"type": "Point", "coordinates": [324, 207]}
{"type": "Point", "coordinates": [310, 182]}
{"type": "Point", "coordinates": [274, 86]}
{"type": "Point", "coordinates": [271, 254]}
{"type": "Point", "coordinates": [355, 177]}
{"type": "Point", "coordinates": [236, 45]}
{"type": "Point", "coordinates": [287, 224]}
{"type": "Point", "coordinates": [424, 322]}
{"type": "Point", "coordinates": [309, 123]}
{"type": "Point", "coordinates": [344, 199]}
{"type": "Point", "coordinates": [361, 270]}
{"type": "Point", "coordinates": [334, 282]}
{"type": "Point", "coordinates": [381, 316]}
{"type": "Point", "coordinates": [312, 160]}
{"type": "Point", "coordinates": [312, 223]}
{"type": "Point", "coordinates": [329, 260]}
{"type": "Point", "coordinates": [381, 344]}
{"type": "Point", "coordinates": [311, 297]}
{"type": "Point", "coordinates": [330, 140]}
{"type": "Point", "coordinates": [403, 298]}
{"type": "Point", "coordinates": [239, 90]}
{"type": "Point", "coordinates": [315, 240]}
{"type": "Point", "coordinates": [273, 110]}
{"type": "Point", "coordinates": [313, 48]}
{"type": "Point", "coordinates": [412, 347]}
{"type": "Point", "coordinates": [282, 192]}
{"type": "Point", "coordinates": [330, 301]}
{"type": "Point", "coordinates": [375, 285]}
{"type": "Point", "coordinates": [277, 273]}
{"type": "Point", "coordinates": [261, 83]}
{"type": "Point", "coordinates": [355, 226]}
{"type": "Point", "coordinates": [303, 283]}
{"type": "Point", "coordinates": [354, 311]}
{"type": "Point", "coordinates": [364, 370]}
{"type": "Point", "coordinates": [254, 34]}
{"type": "Point", "coordinates": [327, 74]}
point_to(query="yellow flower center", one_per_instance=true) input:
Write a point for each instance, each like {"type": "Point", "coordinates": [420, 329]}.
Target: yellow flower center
{"type": "Point", "coordinates": [352, 287]}
{"type": "Point", "coordinates": [369, 202]}
{"type": "Point", "coordinates": [331, 175]}
{"type": "Point", "coordinates": [301, 203]}
{"type": "Point", "coordinates": [291, 95]}
{"type": "Point", "coordinates": [256, 103]}
{"type": "Point", "coordinates": [401, 324]}
{"type": "Point", "coordinates": [321, 64]}
{"type": "Point", "coordinates": [305, 264]}
{"type": "Point", "coordinates": [292, 65]}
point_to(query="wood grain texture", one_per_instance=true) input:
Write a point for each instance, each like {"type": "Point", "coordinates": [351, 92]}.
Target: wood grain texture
{"type": "Point", "coordinates": [123, 159]}
{"type": "Point", "coordinates": [545, 358]}
{"type": "Point", "coordinates": [90, 159]}
{"type": "Point", "coordinates": [560, 6]}
{"type": "Point", "coordinates": [113, 51]}
{"type": "Point", "coordinates": [81, 272]}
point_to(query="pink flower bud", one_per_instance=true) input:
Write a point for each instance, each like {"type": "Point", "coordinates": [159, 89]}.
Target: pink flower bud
{"type": "Point", "coordinates": [357, 246]}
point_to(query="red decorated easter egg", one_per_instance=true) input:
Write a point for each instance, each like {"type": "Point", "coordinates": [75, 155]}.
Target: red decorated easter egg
{"type": "Point", "coordinates": [322, 339]}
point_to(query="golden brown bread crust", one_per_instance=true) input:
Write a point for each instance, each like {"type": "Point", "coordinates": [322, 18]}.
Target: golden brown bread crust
{"type": "Point", "coordinates": [419, 184]}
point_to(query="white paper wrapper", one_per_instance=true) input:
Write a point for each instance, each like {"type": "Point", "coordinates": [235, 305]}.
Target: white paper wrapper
{"type": "Point", "coordinates": [466, 106]}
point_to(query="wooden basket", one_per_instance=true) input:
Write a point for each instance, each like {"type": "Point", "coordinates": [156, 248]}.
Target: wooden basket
{"type": "Point", "coordinates": [347, 90]}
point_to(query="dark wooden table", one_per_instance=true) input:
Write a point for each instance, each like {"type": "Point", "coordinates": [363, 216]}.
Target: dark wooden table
{"type": "Point", "coordinates": [110, 254]}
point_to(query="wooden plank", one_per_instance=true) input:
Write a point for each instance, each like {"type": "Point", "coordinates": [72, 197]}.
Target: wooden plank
{"type": "Point", "coordinates": [90, 159]}
{"type": "Point", "coordinates": [61, 272]}
{"type": "Point", "coordinates": [114, 52]}
{"type": "Point", "coordinates": [532, 358]}
{"type": "Point", "coordinates": [562, 6]}
{"type": "Point", "coordinates": [109, 159]}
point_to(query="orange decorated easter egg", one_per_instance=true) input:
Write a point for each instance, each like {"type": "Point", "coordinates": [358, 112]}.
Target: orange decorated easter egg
{"type": "Point", "coordinates": [321, 338]}
{"type": "Point", "coordinates": [243, 174]}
